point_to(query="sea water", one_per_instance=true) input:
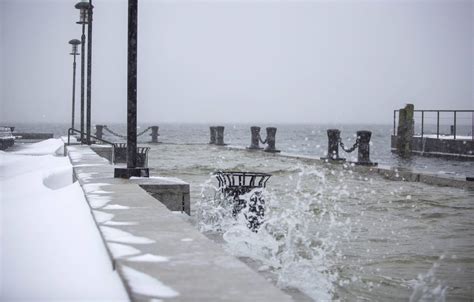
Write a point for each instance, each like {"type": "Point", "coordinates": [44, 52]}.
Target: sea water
{"type": "Point", "coordinates": [330, 232]}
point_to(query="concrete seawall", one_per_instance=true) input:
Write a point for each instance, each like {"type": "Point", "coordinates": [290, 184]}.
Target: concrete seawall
{"type": "Point", "coordinates": [392, 173]}
{"type": "Point", "coordinates": [155, 251]}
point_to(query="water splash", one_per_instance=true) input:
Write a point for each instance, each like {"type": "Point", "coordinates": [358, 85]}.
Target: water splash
{"type": "Point", "coordinates": [427, 287]}
{"type": "Point", "coordinates": [300, 237]}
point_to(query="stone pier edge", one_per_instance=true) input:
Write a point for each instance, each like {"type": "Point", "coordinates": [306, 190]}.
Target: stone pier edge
{"type": "Point", "coordinates": [388, 172]}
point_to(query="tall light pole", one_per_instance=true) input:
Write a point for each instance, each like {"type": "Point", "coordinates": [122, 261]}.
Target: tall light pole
{"type": "Point", "coordinates": [74, 43]}
{"type": "Point", "coordinates": [132, 169]}
{"type": "Point", "coordinates": [83, 8]}
{"type": "Point", "coordinates": [89, 71]}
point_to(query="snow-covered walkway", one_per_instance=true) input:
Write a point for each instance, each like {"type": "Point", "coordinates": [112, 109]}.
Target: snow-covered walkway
{"type": "Point", "coordinates": [50, 247]}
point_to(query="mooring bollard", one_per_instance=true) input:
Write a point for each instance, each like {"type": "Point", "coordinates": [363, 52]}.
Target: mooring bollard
{"type": "Point", "coordinates": [154, 134]}
{"type": "Point", "coordinates": [334, 137]}
{"type": "Point", "coordinates": [271, 133]}
{"type": "Point", "coordinates": [212, 130]}
{"type": "Point", "coordinates": [363, 156]}
{"type": "Point", "coordinates": [254, 141]}
{"type": "Point", "coordinates": [99, 131]}
{"type": "Point", "coordinates": [220, 136]}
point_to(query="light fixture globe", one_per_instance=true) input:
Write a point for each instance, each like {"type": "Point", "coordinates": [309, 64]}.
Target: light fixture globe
{"type": "Point", "coordinates": [74, 43]}
{"type": "Point", "coordinates": [83, 8]}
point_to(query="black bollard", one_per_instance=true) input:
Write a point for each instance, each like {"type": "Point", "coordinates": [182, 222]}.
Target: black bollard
{"type": "Point", "coordinates": [254, 141]}
{"type": "Point", "coordinates": [220, 136]}
{"type": "Point", "coordinates": [99, 131]}
{"type": "Point", "coordinates": [212, 130]}
{"type": "Point", "coordinates": [154, 134]}
{"type": "Point", "coordinates": [271, 133]}
{"type": "Point", "coordinates": [334, 136]}
{"type": "Point", "coordinates": [363, 156]}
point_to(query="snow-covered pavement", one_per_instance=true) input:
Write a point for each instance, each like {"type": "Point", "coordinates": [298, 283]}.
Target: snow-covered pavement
{"type": "Point", "coordinates": [50, 247]}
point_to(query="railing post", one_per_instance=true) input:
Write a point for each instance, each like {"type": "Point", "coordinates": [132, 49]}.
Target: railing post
{"type": "Point", "coordinates": [154, 134]}
{"type": "Point", "coordinates": [220, 136]}
{"type": "Point", "coordinates": [212, 131]}
{"type": "Point", "coordinates": [437, 125]}
{"type": "Point", "coordinates": [254, 140]}
{"type": "Point", "coordinates": [334, 137]}
{"type": "Point", "coordinates": [422, 122]}
{"type": "Point", "coordinates": [99, 131]}
{"type": "Point", "coordinates": [271, 140]}
{"type": "Point", "coordinates": [363, 152]}
{"type": "Point", "coordinates": [394, 121]}
{"type": "Point", "coordinates": [454, 130]}
{"type": "Point", "coordinates": [405, 130]}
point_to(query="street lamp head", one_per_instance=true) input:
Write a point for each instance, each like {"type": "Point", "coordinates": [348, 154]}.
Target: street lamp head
{"type": "Point", "coordinates": [83, 8]}
{"type": "Point", "coordinates": [74, 43]}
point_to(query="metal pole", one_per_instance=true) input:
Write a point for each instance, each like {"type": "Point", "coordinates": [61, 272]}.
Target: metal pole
{"type": "Point", "coordinates": [132, 84]}
{"type": "Point", "coordinates": [437, 125]}
{"type": "Point", "coordinates": [83, 48]}
{"type": "Point", "coordinates": [422, 122]}
{"type": "Point", "coordinates": [394, 121]}
{"type": "Point", "coordinates": [454, 124]}
{"type": "Point", "coordinates": [73, 90]}
{"type": "Point", "coordinates": [89, 71]}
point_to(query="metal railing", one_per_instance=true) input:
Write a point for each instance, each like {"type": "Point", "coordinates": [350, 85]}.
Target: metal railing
{"type": "Point", "coordinates": [453, 126]}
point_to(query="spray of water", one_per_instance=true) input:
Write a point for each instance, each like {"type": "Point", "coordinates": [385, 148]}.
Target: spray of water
{"type": "Point", "coordinates": [427, 287]}
{"type": "Point", "coordinates": [300, 237]}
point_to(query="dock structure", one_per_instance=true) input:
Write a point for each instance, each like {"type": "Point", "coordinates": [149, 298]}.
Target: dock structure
{"type": "Point", "coordinates": [152, 245]}
{"type": "Point", "coordinates": [405, 141]}
{"type": "Point", "coordinates": [7, 139]}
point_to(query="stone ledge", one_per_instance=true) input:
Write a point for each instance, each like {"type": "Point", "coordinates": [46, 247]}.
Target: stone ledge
{"type": "Point", "coordinates": [186, 265]}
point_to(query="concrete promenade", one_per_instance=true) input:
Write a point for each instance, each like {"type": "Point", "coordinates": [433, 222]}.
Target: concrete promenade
{"type": "Point", "coordinates": [155, 251]}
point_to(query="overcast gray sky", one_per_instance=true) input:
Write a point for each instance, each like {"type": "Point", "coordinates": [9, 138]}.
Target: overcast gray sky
{"type": "Point", "coordinates": [242, 61]}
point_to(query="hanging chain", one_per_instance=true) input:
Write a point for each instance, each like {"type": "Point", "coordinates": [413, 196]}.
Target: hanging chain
{"type": "Point", "coordinates": [356, 144]}
{"type": "Point", "coordinates": [262, 141]}
{"type": "Point", "coordinates": [143, 132]}
{"type": "Point", "coordinates": [124, 136]}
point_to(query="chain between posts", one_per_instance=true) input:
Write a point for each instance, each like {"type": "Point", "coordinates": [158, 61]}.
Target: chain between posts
{"type": "Point", "coordinates": [124, 136]}
{"type": "Point", "coordinates": [356, 144]}
{"type": "Point", "coordinates": [262, 141]}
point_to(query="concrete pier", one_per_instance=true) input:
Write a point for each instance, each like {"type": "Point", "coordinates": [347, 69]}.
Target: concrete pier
{"type": "Point", "coordinates": [149, 243]}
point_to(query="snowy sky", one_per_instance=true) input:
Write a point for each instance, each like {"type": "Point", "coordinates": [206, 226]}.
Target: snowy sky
{"type": "Point", "coordinates": [242, 61]}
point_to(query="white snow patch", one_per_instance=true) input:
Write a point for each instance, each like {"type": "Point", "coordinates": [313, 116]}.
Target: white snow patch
{"type": "Point", "coordinates": [187, 239]}
{"type": "Point", "coordinates": [98, 201]}
{"type": "Point", "coordinates": [116, 207]}
{"type": "Point", "coordinates": [51, 249]}
{"type": "Point", "coordinates": [122, 250]}
{"type": "Point", "coordinates": [168, 179]}
{"type": "Point", "coordinates": [114, 234]}
{"type": "Point", "coordinates": [148, 258]}
{"type": "Point", "coordinates": [144, 284]}
{"type": "Point", "coordinates": [102, 217]}
{"type": "Point", "coordinates": [89, 188]}
{"type": "Point", "coordinates": [52, 146]}
{"type": "Point", "coordinates": [58, 178]}
{"type": "Point", "coordinates": [113, 223]}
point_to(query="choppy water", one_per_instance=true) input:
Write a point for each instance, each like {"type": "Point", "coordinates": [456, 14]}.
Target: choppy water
{"type": "Point", "coordinates": [299, 139]}
{"type": "Point", "coordinates": [330, 232]}
{"type": "Point", "coordinates": [336, 234]}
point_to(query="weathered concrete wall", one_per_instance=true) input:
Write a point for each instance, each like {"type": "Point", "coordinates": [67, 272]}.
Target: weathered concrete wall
{"type": "Point", "coordinates": [449, 148]}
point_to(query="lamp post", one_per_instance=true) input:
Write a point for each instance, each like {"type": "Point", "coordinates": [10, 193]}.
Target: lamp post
{"type": "Point", "coordinates": [83, 8]}
{"type": "Point", "coordinates": [74, 43]}
{"type": "Point", "coordinates": [132, 169]}
{"type": "Point", "coordinates": [89, 71]}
